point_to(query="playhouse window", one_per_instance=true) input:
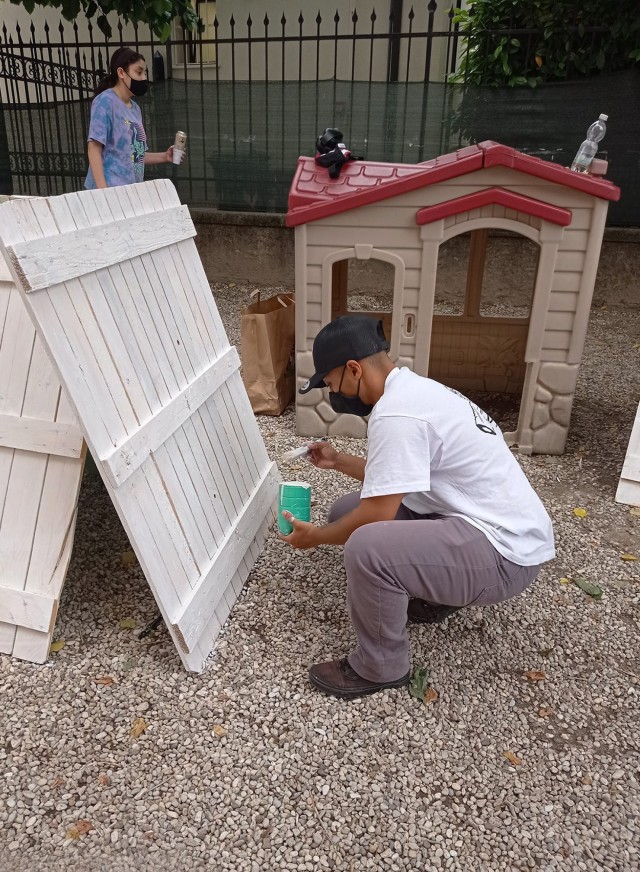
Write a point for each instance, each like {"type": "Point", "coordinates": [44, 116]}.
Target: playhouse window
{"type": "Point", "coordinates": [363, 286]}
{"type": "Point", "coordinates": [486, 274]}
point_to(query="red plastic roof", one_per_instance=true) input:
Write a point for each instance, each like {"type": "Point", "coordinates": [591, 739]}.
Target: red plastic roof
{"type": "Point", "coordinates": [500, 196]}
{"type": "Point", "coordinates": [313, 194]}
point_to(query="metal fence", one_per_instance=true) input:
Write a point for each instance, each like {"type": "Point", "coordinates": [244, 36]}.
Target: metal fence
{"type": "Point", "coordinates": [253, 95]}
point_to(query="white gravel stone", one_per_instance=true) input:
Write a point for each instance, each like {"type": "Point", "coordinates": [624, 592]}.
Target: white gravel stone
{"type": "Point", "coordinates": [304, 781]}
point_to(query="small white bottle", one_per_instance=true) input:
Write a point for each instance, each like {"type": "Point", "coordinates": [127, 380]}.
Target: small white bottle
{"type": "Point", "coordinates": [589, 148]}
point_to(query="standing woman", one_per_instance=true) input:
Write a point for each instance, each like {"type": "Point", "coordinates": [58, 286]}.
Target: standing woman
{"type": "Point", "coordinates": [117, 141]}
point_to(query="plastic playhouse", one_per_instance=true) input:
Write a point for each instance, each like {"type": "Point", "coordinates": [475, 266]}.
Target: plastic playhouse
{"type": "Point", "coordinates": [402, 214]}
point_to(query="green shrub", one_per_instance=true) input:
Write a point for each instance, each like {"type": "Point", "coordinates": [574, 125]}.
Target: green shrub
{"type": "Point", "coordinates": [567, 39]}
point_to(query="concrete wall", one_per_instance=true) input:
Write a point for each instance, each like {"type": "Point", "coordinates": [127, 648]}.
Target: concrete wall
{"type": "Point", "coordinates": [257, 249]}
{"type": "Point", "coordinates": [411, 65]}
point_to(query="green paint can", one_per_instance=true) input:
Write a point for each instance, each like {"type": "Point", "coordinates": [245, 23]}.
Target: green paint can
{"type": "Point", "coordinates": [294, 497]}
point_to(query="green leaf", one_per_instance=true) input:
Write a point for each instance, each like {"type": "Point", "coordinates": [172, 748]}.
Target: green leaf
{"type": "Point", "coordinates": [588, 587]}
{"type": "Point", "coordinates": [103, 24]}
{"type": "Point", "coordinates": [127, 624]}
{"type": "Point", "coordinates": [419, 683]}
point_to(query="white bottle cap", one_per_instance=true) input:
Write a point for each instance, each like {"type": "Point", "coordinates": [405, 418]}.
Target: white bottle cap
{"type": "Point", "coordinates": [603, 118]}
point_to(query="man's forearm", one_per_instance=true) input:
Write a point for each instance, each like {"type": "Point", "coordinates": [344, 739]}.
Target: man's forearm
{"type": "Point", "coordinates": [351, 465]}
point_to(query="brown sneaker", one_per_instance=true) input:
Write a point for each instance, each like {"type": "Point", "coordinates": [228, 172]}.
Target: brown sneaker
{"type": "Point", "coordinates": [421, 612]}
{"type": "Point", "coordinates": [339, 679]}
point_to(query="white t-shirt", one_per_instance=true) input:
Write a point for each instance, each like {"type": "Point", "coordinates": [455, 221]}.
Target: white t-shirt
{"type": "Point", "coordinates": [449, 457]}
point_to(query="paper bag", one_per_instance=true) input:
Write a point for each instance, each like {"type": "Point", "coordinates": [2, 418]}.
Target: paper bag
{"type": "Point", "coordinates": [267, 338]}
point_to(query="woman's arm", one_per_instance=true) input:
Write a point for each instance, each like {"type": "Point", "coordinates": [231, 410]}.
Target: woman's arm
{"type": "Point", "coordinates": [94, 150]}
{"type": "Point", "coordinates": [158, 157]}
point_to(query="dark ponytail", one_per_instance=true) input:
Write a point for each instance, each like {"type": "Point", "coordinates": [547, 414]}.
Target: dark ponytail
{"type": "Point", "coordinates": [122, 57]}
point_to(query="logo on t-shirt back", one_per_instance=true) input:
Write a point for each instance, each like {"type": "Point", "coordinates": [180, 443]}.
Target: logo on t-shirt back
{"type": "Point", "coordinates": [483, 422]}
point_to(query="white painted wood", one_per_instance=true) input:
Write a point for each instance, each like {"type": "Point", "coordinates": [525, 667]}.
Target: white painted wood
{"type": "Point", "coordinates": [218, 574]}
{"type": "Point", "coordinates": [41, 462]}
{"type": "Point", "coordinates": [48, 437]}
{"type": "Point", "coordinates": [70, 255]}
{"type": "Point", "coordinates": [149, 437]}
{"type": "Point", "coordinates": [25, 609]}
{"type": "Point", "coordinates": [143, 353]}
{"type": "Point", "coordinates": [628, 491]}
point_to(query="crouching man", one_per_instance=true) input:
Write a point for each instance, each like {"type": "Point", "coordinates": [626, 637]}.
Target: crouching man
{"type": "Point", "coordinates": [445, 517]}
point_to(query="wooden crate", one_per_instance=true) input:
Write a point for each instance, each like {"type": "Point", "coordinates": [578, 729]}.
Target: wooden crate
{"type": "Point", "coordinates": [120, 298]}
{"type": "Point", "coordinates": [41, 460]}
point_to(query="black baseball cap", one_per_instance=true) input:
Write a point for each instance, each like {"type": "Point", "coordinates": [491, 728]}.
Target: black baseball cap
{"type": "Point", "coordinates": [349, 337]}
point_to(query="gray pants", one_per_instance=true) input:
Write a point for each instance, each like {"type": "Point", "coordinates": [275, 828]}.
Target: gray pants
{"type": "Point", "coordinates": [430, 557]}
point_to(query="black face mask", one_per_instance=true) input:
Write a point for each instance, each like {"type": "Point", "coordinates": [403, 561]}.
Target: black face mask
{"type": "Point", "coordinates": [138, 87]}
{"type": "Point", "coordinates": [349, 405]}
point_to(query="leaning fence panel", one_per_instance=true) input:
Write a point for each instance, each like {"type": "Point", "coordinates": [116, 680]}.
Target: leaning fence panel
{"type": "Point", "coordinates": [158, 392]}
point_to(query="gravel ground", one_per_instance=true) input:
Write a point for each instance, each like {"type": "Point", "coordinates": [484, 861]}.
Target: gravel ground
{"type": "Point", "coordinates": [245, 767]}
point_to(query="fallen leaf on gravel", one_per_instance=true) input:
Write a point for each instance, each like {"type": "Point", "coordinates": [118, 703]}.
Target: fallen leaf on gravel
{"type": "Point", "coordinates": [587, 779]}
{"type": "Point", "coordinates": [104, 780]}
{"type": "Point", "coordinates": [58, 782]}
{"type": "Point", "coordinates": [635, 510]}
{"type": "Point", "coordinates": [129, 664]}
{"type": "Point", "coordinates": [84, 826]}
{"type": "Point", "coordinates": [627, 556]}
{"type": "Point", "coordinates": [545, 711]}
{"type": "Point", "coordinates": [57, 646]}
{"type": "Point", "coordinates": [219, 730]}
{"type": "Point", "coordinates": [566, 580]}
{"type": "Point", "coordinates": [106, 680]}
{"type": "Point", "coordinates": [430, 695]}
{"type": "Point", "coordinates": [128, 558]}
{"type": "Point", "coordinates": [535, 675]}
{"type": "Point", "coordinates": [418, 685]}
{"type": "Point", "coordinates": [139, 727]}
{"type": "Point", "coordinates": [81, 828]}
{"type": "Point", "coordinates": [513, 758]}
{"type": "Point", "coordinates": [127, 624]}
{"type": "Point", "coordinates": [587, 586]}
{"type": "Point", "coordinates": [580, 513]}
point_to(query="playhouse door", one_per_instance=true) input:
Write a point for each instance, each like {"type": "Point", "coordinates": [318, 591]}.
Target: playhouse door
{"type": "Point", "coordinates": [479, 349]}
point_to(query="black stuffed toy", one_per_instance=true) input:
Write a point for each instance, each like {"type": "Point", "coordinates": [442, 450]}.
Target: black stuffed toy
{"type": "Point", "coordinates": [332, 152]}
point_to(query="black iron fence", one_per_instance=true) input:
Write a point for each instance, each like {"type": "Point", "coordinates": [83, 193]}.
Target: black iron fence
{"type": "Point", "coordinates": [253, 94]}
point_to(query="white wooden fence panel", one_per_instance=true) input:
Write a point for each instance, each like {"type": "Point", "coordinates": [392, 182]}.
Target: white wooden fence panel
{"type": "Point", "coordinates": [143, 353]}
{"type": "Point", "coordinates": [41, 462]}
{"type": "Point", "coordinates": [629, 485]}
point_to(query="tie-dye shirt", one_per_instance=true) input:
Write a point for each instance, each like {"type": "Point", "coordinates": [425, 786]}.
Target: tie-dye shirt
{"type": "Point", "coordinates": [119, 129]}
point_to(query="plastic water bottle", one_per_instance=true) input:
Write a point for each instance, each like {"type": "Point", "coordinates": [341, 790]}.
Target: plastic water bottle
{"type": "Point", "coordinates": [589, 148]}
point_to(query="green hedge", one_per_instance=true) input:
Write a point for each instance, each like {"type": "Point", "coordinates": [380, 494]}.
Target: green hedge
{"type": "Point", "coordinates": [561, 45]}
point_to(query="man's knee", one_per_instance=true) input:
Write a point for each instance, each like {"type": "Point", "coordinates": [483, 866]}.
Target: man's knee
{"type": "Point", "coordinates": [360, 551]}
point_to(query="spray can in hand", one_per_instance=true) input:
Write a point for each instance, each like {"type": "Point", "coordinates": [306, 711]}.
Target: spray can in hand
{"type": "Point", "coordinates": [179, 145]}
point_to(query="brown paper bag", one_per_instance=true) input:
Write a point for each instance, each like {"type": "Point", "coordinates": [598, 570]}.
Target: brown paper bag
{"type": "Point", "coordinates": [267, 338]}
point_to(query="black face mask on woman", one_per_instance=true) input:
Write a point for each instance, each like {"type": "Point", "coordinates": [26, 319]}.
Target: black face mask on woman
{"type": "Point", "coordinates": [138, 87]}
{"type": "Point", "coordinates": [344, 405]}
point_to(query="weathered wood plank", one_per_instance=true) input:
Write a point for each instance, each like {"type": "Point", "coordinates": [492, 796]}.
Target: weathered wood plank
{"type": "Point", "coordinates": [53, 260]}
{"type": "Point", "coordinates": [151, 434]}
{"type": "Point", "coordinates": [47, 437]}
{"type": "Point", "coordinates": [24, 609]}
{"type": "Point", "coordinates": [190, 623]}
{"type": "Point", "coordinates": [628, 491]}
